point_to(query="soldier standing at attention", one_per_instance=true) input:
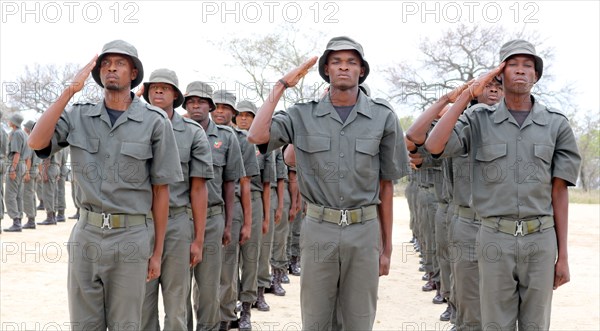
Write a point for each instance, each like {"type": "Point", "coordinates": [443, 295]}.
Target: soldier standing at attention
{"type": "Point", "coordinates": [124, 158]}
{"type": "Point", "coordinates": [17, 152]}
{"type": "Point", "coordinates": [523, 157]}
{"type": "Point", "coordinates": [185, 235]}
{"type": "Point", "coordinates": [349, 149]}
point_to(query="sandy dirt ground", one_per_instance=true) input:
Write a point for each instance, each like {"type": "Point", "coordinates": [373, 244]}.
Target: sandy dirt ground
{"type": "Point", "coordinates": [33, 281]}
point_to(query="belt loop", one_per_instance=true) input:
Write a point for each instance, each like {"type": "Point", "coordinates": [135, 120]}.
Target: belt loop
{"type": "Point", "coordinates": [497, 224]}
{"type": "Point", "coordinates": [321, 213]}
{"type": "Point", "coordinates": [539, 219]}
{"type": "Point", "coordinates": [362, 214]}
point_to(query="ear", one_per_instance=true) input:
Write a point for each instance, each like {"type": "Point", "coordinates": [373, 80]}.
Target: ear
{"type": "Point", "coordinates": [134, 73]}
{"type": "Point", "coordinates": [362, 71]}
{"type": "Point", "coordinates": [326, 69]}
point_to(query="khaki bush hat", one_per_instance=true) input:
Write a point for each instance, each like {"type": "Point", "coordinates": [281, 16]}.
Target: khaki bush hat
{"type": "Point", "coordinates": [246, 106]}
{"type": "Point", "coordinates": [226, 98]}
{"type": "Point", "coordinates": [164, 76]}
{"type": "Point", "coordinates": [16, 119]}
{"type": "Point", "coordinates": [29, 125]}
{"type": "Point", "coordinates": [520, 46]}
{"type": "Point", "coordinates": [200, 90]}
{"type": "Point", "coordinates": [339, 44]}
{"type": "Point", "coordinates": [120, 47]}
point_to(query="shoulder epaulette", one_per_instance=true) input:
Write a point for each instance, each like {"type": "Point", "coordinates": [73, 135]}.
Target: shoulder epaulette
{"type": "Point", "coordinates": [383, 102]}
{"type": "Point", "coordinates": [156, 109]}
{"type": "Point", "coordinates": [191, 122]}
{"type": "Point", "coordinates": [556, 111]}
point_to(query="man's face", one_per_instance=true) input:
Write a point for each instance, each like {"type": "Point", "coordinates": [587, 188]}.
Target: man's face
{"type": "Point", "coordinates": [117, 72]}
{"type": "Point", "coordinates": [244, 120]}
{"type": "Point", "coordinates": [162, 95]}
{"type": "Point", "coordinates": [223, 114]}
{"type": "Point", "coordinates": [344, 69]}
{"type": "Point", "coordinates": [519, 74]}
{"type": "Point", "coordinates": [197, 108]}
{"type": "Point", "coordinates": [492, 93]}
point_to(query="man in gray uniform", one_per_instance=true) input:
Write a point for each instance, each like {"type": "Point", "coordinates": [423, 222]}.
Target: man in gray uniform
{"type": "Point", "coordinates": [260, 191]}
{"type": "Point", "coordinates": [505, 142]}
{"type": "Point", "coordinates": [29, 182]}
{"type": "Point", "coordinates": [243, 225]}
{"type": "Point", "coordinates": [184, 239]}
{"type": "Point", "coordinates": [124, 156]}
{"type": "Point", "coordinates": [60, 203]}
{"type": "Point", "coordinates": [50, 173]}
{"type": "Point", "coordinates": [227, 168]}
{"type": "Point", "coordinates": [349, 149]}
{"type": "Point", "coordinates": [17, 153]}
{"type": "Point", "coordinates": [3, 151]}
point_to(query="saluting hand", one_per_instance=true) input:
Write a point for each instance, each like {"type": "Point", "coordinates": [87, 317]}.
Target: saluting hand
{"type": "Point", "coordinates": [140, 92]}
{"type": "Point", "coordinates": [454, 94]}
{"type": "Point", "coordinates": [477, 87]}
{"type": "Point", "coordinates": [293, 77]}
{"type": "Point", "coordinates": [79, 79]}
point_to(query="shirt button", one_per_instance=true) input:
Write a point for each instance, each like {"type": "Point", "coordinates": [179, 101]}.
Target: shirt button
{"type": "Point", "coordinates": [107, 156]}
{"type": "Point", "coordinates": [519, 138]}
{"type": "Point", "coordinates": [520, 203]}
{"type": "Point", "coordinates": [111, 134]}
{"type": "Point", "coordinates": [342, 133]}
{"type": "Point", "coordinates": [342, 198]}
{"type": "Point", "coordinates": [519, 159]}
{"type": "Point", "coordinates": [341, 154]}
{"type": "Point", "coordinates": [341, 175]}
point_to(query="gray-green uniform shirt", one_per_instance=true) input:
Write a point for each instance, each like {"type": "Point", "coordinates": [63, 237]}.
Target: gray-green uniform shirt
{"type": "Point", "coordinates": [116, 165]}
{"type": "Point", "coordinates": [226, 159]}
{"type": "Point", "coordinates": [250, 162]}
{"type": "Point", "coordinates": [281, 170]}
{"type": "Point", "coordinates": [512, 164]}
{"type": "Point", "coordinates": [17, 143]}
{"type": "Point", "coordinates": [267, 170]}
{"type": "Point", "coordinates": [340, 163]}
{"type": "Point", "coordinates": [195, 157]}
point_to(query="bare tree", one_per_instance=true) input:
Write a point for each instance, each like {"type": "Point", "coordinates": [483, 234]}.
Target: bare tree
{"type": "Point", "coordinates": [267, 58]}
{"type": "Point", "coordinates": [40, 85]}
{"type": "Point", "coordinates": [587, 131]}
{"type": "Point", "coordinates": [461, 54]}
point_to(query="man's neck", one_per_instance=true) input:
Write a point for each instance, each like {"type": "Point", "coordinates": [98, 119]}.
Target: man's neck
{"type": "Point", "coordinates": [204, 123]}
{"type": "Point", "coordinates": [518, 102]}
{"type": "Point", "coordinates": [343, 98]}
{"type": "Point", "coordinates": [117, 100]}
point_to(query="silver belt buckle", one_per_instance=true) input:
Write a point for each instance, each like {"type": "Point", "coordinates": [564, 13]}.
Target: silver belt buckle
{"type": "Point", "coordinates": [519, 230]}
{"type": "Point", "coordinates": [343, 218]}
{"type": "Point", "coordinates": [106, 221]}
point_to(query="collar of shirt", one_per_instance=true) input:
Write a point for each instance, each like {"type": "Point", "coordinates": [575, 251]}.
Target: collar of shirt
{"type": "Point", "coordinates": [177, 122]}
{"type": "Point", "coordinates": [133, 112]}
{"type": "Point", "coordinates": [211, 129]}
{"type": "Point", "coordinates": [539, 115]}
{"type": "Point", "coordinates": [362, 106]}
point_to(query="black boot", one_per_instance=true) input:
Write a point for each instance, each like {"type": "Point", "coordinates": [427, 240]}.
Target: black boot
{"type": "Point", "coordinates": [30, 223]}
{"type": "Point", "coordinates": [284, 277]}
{"type": "Point", "coordinates": [50, 219]}
{"type": "Point", "coordinates": [60, 216]}
{"type": "Point", "coordinates": [40, 206]}
{"type": "Point", "coordinates": [276, 287]}
{"type": "Point", "coordinates": [260, 303]}
{"type": "Point", "coordinates": [16, 227]}
{"type": "Point", "coordinates": [76, 216]}
{"type": "Point", "coordinates": [295, 265]}
{"type": "Point", "coordinates": [244, 323]}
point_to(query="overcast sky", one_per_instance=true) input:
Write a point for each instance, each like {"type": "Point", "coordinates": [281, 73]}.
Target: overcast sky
{"type": "Point", "coordinates": [178, 34]}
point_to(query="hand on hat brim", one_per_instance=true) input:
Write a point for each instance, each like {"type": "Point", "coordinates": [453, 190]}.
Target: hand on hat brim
{"type": "Point", "coordinates": [293, 77]}
{"type": "Point", "coordinates": [79, 80]}
{"type": "Point", "coordinates": [476, 89]}
{"type": "Point", "coordinates": [140, 92]}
